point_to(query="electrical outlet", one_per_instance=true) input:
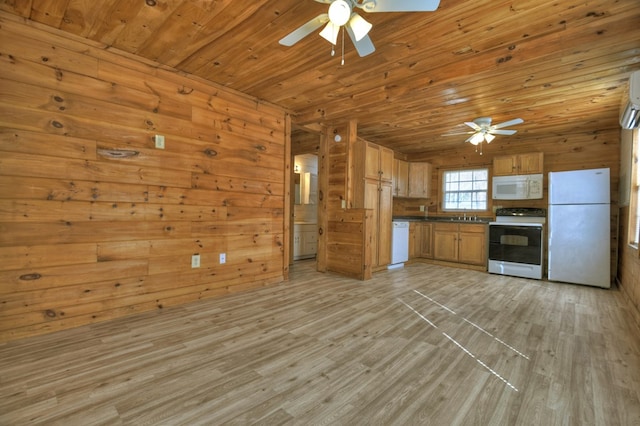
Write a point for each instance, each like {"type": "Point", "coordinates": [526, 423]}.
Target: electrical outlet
{"type": "Point", "coordinates": [195, 261]}
{"type": "Point", "coordinates": [159, 140]}
{"type": "Point", "coordinates": [421, 208]}
{"type": "Point", "coordinates": [223, 258]}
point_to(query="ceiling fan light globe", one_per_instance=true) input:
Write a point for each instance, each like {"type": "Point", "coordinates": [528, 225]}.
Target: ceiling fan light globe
{"type": "Point", "coordinates": [330, 33]}
{"type": "Point", "coordinates": [489, 137]}
{"type": "Point", "coordinates": [339, 12]}
{"type": "Point", "coordinates": [476, 138]}
{"type": "Point", "coordinates": [359, 26]}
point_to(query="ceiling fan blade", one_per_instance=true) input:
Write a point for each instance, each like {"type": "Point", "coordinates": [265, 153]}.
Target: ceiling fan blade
{"type": "Point", "coordinates": [325, 1]}
{"type": "Point", "coordinates": [330, 33]}
{"type": "Point", "coordinates": [303, 31]}
{"type": "Point", "coordinates": [502, 132]}
{"type": "Point", "coordinates": [508, 123]}
{"type": "Point", "coordinates": [473, 125]}
{"type": "Point", "coordinates": [364, 46]}
{"type": "Point", "coordinates": [457, 134]}
{"type": "Point", "coordinates": [399, 6]}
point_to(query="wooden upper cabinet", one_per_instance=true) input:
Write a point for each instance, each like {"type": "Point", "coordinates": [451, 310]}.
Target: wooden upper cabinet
{"type": "Point", "coordinates": [531, 163]}
{"type": "Point", "coordinates": [371, 161]}
{"type": "Point", "coordinates": [386, 164]}
{"type": "Point", "coordinates": [400, 178]}
{"type": "Point", "coordinates": [378, 162]}
{"type": "Point", "coordinates": [419, 180]}
{"type": "Point", "coordinates": [518, 164]}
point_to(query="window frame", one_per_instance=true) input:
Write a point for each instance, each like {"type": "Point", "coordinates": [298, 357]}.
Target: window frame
{"type": "Point", "coordinates": [633, 234]}
{"type": "Point", "coordinates": [443, 184]}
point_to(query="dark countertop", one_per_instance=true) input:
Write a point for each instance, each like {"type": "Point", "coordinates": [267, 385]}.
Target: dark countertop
{"type": "Point", "coordinates": [454, 219]}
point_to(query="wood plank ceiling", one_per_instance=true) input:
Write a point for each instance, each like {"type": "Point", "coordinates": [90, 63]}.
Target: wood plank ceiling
{"type": "Point", "coordinates": [561, 65]}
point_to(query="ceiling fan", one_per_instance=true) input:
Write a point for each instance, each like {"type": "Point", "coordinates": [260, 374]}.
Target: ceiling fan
{"type": "Point", "coordinates": [341, 14]}
{"type": "Point", "coordinates": [484, 131]}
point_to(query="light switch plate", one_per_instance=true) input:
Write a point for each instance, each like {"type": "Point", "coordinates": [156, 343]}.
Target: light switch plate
{"type": "Point", "coordinates": [195, 261]}
{"type": "Point", "coordinates": [159, 140]}
{"type": "Point", "coordinates": [223, 258]}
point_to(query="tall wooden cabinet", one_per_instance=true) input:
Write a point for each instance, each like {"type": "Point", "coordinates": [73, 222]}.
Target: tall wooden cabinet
{"type": "Point", "coordinates": [372, 189]}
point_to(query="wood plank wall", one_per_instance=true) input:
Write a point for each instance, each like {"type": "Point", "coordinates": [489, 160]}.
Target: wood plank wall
{"type": "Point", "coordinates": [629, 266]}
{"type": "Point", "coordinates": [95, 223]}
{"type": "Point", "coordinates": [349, 243]}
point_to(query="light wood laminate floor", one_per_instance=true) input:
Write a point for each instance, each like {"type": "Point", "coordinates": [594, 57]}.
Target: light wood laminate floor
{"type": "Point", "coordinates": [423, 345]}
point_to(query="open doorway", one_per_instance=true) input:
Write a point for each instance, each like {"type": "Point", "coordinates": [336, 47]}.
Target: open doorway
{"type": "Point", "coordinates": [305, 146]}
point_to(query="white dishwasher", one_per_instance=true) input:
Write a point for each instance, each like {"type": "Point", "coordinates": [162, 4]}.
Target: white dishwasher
{"type": "Point", "coordinates": [399, 244]}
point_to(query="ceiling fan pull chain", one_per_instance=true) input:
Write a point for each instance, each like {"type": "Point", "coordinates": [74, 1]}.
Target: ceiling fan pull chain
{"type": "Point", "coordinates": [342, 63]}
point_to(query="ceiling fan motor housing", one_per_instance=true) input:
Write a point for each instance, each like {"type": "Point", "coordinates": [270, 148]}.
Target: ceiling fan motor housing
{"type": "Point", "coordinates": [484, 122]}
{"type": "Point", "coordinates": [340, 12]}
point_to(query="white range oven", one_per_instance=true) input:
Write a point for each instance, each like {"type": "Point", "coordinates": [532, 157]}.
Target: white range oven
{"type": "Point", "coordinates": [516, 242]}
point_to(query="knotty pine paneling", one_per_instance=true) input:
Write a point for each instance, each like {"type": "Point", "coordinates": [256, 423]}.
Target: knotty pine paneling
{"type": "Point", "coordinates": [95, 223]}
{"type": "Point", "coordinates": [349, 242]}
{"type": "Point", "coordinates": [629, 266]}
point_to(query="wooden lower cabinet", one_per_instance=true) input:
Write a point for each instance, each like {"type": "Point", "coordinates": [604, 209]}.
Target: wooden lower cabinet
{"type": "Point", "coordinates": [420, 240]}
{"type": "Point", "coordinates": [472, 245]}
{"type": "Point", "coordinates": [415, 229]}
{"type": "Point", "coordinates": [460, 243]}
{"type": "Point", "coordinates": [305, 241]}
{"type": "Point", "coordinates": [426, 240]}
{"type": "Point", "coordinates": [464, 243]}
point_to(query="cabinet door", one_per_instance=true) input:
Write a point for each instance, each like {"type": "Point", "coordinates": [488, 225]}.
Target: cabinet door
{"type": "Point", "coordinates": [426, 241]}
{"type": "Point", "coordinates": [419, 180]}
{"type": "Point", "coordinates": [520, 164]}
{"type": "Point", "coordinates": [531, 163]}
{"type": "Point", "coordinates": [505, 165]}
{"type": "Point", "coordinates": [372, 201]}
{"type": "Point", "coordinates": [297, 245]}
{"type": "Point", "coordinates": [472, 248]}
{"type": "Point", "coordinates": [415, 239]}
{"type": "Point", "coordinates": [400, 178]}
{"type": "Point", "coordinates": [385, 217]}
{"type": "Point", "coordinates": [372, 161]}
{"type": "Point", "coordinates": [472, 244]}
{"type": "Point", "coordinates": [310, 243]}
{"type": "Point", "coordinates": [445, 242]}
{"type": "Point", "coordinates": [386, 164]}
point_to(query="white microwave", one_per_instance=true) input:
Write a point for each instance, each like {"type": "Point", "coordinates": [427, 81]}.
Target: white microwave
{"type": "Point", "coordinates": [517, 187]}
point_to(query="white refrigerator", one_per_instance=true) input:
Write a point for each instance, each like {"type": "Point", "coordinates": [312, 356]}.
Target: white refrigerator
{"type": "Point", "coordinates": [579, 221]}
